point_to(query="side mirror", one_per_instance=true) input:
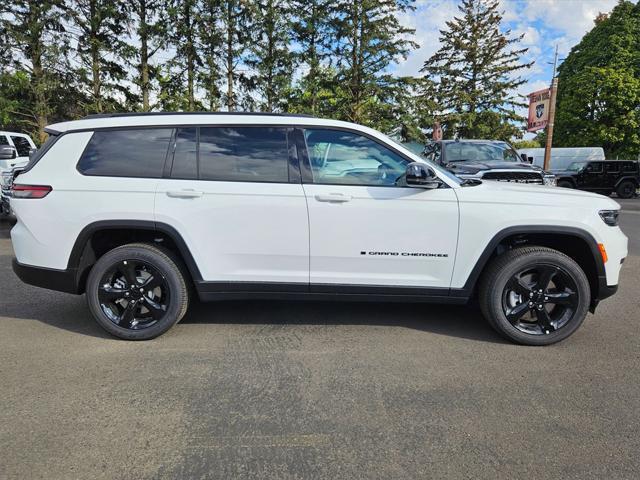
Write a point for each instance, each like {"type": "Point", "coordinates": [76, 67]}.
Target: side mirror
{"type": "Point", "coordinates": [32, 151]}
{"type": "Point", "coordinates": [421, 176]}
{"type": "Point", "coordinates": [7, 152]}
{"type": "Point", "coordinates": [525, 158]}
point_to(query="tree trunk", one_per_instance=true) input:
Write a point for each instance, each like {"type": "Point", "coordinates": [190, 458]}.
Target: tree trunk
{"type": "Point", "coordinates": [38, 80]}
{"type": "Point", "coordinates": [144, 56]}
{"type": "Point", "coordinates": [95, 58]}
{"type": "Point", "coordinates": [231, 104]}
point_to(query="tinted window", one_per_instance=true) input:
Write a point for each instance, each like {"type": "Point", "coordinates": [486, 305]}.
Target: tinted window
{"type": "Point", "coordinates": [339, 157]}
{"type": "Point", "coordinates": [629, 167]}
{"type": "Point", "coordinates": [244, 154]}
{"type": "Point", "coordinates": [185, 156]}
{"type": "Point", "coordinates": [594, 168]}
{"type": "Point", "coordinates": [612, 167]}
{"type": "Point", "coordinates": [3, 140]}
{"type": "Point", "coordinates": [22, 146]}
{"type": "Point", "coordinates": [126, 153]}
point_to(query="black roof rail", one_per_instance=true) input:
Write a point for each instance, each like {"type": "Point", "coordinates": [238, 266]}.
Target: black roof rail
{"type": "Point", "coordinates": [144, 114]}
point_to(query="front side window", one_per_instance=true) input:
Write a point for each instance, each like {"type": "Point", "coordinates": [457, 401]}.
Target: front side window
{"type": "Point", "coordinates": [594, 168]}
{"type": "Point", "coordinates": [126, 153]}
{"type": "Point", "coordinates": [3, 140]}
{"type": "Point", "coordinates": [339, 157]}
{"type": "Point", "coordinates": [244, 154]}
{"type": "Point", "coordinates": [22, 146]}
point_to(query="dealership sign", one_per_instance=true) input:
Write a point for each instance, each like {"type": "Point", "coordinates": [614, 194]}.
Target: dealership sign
{"type": "Point", "coordinates": [538, 110]}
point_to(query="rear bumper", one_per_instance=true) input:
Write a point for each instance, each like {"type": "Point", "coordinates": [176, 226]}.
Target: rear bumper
{"type": "Point", "coordinates": [59, 280]}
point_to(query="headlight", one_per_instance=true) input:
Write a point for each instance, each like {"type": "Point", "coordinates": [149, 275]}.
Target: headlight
{"type": "Point", "coordinates": [610, 217]}
{"type": "Point", "coordinates": [550, 180]}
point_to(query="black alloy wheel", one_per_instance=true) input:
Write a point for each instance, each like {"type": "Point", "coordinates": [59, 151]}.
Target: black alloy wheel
{"type": "Point", "coordinates": [534, 295]}
{"type": "Point", "coordinates": [540, 300]}
{"type": "Point", "coordinates": [133, 294]}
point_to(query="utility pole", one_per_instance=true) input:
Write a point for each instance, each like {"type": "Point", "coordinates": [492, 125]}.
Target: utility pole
{"type": "Point", "coordinates": [552, 114]}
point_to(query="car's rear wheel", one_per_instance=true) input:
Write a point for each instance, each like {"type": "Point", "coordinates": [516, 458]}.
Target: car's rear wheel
{"type": "Point", "coordinates": [565, 184]}
{"type": "Point", "coordinates": [137, 291]}
{"type": "Point", "coordinates": [534, 295]}
{"type": "Point", "coordinates": [626, 189]}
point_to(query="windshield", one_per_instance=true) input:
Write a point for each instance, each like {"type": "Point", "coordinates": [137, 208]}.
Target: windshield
{"type": "Point", "coordinates": [577, 166]}
{"type": "Point", "coordinates": [483, 152]}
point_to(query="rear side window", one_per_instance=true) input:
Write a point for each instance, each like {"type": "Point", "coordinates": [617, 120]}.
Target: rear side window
{"type": "Point", "coordinates": [612, 167]}
{"type": "Point", "coordinates": [3, 140]}
{"type": "Point", "coordinates": [629, 167]}
{"type": "Point", "coordinates": [243, 154]}
{"type": "Point", "coordinates": [126, 153]}
{"type": "Point", "coordinates": [22, 146]}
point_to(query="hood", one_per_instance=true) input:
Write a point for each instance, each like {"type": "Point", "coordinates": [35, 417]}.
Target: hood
{"type": "Point", "coordinates": [520, 193]}
{"type": "Point", "coordinates": [468, 167]}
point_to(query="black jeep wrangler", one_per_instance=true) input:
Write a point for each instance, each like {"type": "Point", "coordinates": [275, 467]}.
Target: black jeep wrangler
{"type": "Point", "coordinates": [605, 177]}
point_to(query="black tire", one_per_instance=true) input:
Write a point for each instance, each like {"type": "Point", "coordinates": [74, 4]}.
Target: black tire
{"type": "Point", "coordinates": [565, 184]}
{"type": "Point", "coordinates": [127, 270]}
{"type": "Point", "coordinates": [626, 189]}
{"type": "Point", "coordinates": [509, 286]}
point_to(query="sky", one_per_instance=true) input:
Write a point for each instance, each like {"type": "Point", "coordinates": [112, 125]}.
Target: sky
{"type": "Point", "coordinates": [544, 23]}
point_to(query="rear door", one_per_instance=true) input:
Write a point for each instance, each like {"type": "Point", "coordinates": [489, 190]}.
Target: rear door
{"type": "Point", "coordinates": [366, 232]}
{"type": "Point", "coordinates": [239, 206]}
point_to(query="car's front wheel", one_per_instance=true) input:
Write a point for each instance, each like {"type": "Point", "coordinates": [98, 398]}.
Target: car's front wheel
{"type": "Point", "coordinates": [534, 295]}
{"type": "Point", "coordinates": [137, 291]}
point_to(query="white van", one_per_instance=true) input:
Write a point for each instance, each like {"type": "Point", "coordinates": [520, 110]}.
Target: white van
{"type": "Point", "coordinates": [561, 158]}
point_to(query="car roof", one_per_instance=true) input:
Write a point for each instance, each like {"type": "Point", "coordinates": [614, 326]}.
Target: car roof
{"type": "Point", "coordinates": [159, 119]}
{"type": "Point", "coordinates": [4, 132]}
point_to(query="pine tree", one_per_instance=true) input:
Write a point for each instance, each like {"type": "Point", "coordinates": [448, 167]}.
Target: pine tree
{"type": "Point", "coordinates": [149, 27]}
{"type": "Point", "coordinates": [236, 36]}
{"type": "Point", "coordinates": [271, 58]}
{"type": "Point", "coordinates": [475, 72]}
{"type": "Point", "coordinates": [598, 100]}
{"type": "Point", "coordinates": [33, 37]}
{"type": "Point", "coordinates": [313, 32]}
{"type": "Point", "coordinates": [370, 37]}
{"type": "Point", "coordinates": [183, 16]}
{"type": "Point", "coordinates": [100, 27]}
{"type": "Point", "coordinates": [210, 49]}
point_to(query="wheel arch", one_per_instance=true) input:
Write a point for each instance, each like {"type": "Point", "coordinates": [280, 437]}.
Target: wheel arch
{"type": "Point", "coordinates": [627, 178]}
{"type": "Point", "coordinates": [99, 237]}
{"type": "Point", "coordinates": [573, 242]}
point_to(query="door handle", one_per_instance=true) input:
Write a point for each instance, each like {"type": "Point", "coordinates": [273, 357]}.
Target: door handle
{"type": "Point", "coordinates": [184, 194]}
{"type": "Point", "coordinates": [333, 198]}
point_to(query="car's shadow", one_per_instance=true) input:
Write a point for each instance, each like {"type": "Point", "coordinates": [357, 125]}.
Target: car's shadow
{"type": "Point", "coordinates": [456, 321]}
{"type": "Point", "coordinates": [6, 225]}
{"type": "Point", "coordinates": [69, 312]}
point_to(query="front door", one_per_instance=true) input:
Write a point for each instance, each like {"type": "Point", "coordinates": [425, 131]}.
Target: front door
{"type": "Point", "coordinates": [366, 231]}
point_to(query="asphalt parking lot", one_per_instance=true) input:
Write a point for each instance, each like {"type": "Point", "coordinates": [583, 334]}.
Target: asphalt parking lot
{"type": "Point", "coordinates": [315, 390]}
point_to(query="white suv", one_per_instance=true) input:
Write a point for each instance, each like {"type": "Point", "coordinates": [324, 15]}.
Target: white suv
{"type": "Point", "coordinates": [142, 211]}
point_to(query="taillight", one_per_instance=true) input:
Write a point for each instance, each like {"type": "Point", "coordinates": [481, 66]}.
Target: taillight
{"type": "Point", "coordinates": [30, 191]}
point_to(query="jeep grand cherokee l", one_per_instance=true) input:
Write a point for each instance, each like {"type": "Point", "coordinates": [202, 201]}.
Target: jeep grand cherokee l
{"type": "Point", "coordinates": [140, 212]}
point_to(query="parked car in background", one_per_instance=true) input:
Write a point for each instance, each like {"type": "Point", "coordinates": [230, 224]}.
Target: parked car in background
{"type": "Point", "coordinates": [561, 158]}
{"type": "Point", "coordinates": [606, 177]}
{"type": "Point", "coordinates": [485, 160]}
{"type": "Point", "coordinates": [15, 150]}
{"type": "Point", "coordinates": [23, 146]}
